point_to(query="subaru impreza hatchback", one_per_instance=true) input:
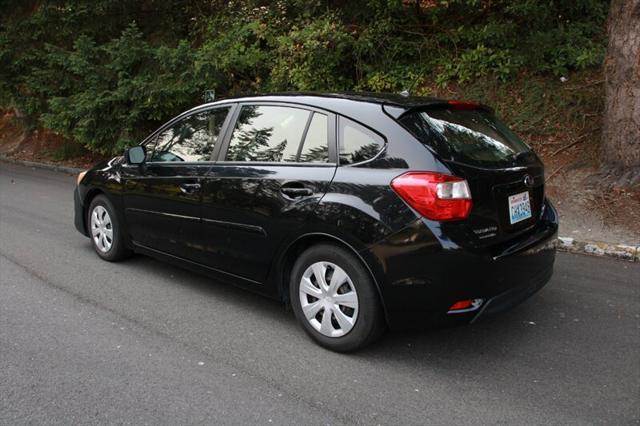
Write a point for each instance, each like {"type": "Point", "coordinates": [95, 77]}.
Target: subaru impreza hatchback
{"type": "Point", "coordinates": [360, 211]}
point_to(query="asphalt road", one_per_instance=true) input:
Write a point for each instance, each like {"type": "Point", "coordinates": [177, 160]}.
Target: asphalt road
{"type": "Point", "coordinates": [83, 341]}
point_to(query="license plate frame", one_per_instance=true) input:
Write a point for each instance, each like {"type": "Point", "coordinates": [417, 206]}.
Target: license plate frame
{"type": "Point", "coordinates": [519, 207]}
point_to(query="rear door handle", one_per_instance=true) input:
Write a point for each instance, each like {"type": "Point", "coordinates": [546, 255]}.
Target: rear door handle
{"type": "Point", "coordinates": [189, 188]}
{"type": "Point", "coordinates": [293, 192]}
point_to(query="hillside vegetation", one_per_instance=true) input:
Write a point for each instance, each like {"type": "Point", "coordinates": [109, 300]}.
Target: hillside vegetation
{"type": "Point", "coordinates": [103, 73]}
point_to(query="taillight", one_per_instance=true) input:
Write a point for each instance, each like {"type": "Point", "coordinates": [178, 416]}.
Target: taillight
{"type": "Point", "coordinates": [435, 196]}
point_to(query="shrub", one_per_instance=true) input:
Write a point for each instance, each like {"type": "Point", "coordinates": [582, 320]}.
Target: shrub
{"type": "Point", "coordinates": [106, 86]}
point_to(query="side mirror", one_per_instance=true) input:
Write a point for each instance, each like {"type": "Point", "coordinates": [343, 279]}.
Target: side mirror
{"type": "Point", "coordinates": [135, 154]}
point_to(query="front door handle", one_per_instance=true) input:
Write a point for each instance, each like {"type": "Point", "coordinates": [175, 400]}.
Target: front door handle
{"type": "Point", "coordinates": [189, 188]}
{"type": "Point", "coordinates": [294, 192]}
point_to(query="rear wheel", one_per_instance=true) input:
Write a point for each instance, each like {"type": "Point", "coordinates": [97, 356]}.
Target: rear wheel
{"type": "Point", "coordinates": [334, 298]}
{"type": "Point", "coordinates": [105, 231]}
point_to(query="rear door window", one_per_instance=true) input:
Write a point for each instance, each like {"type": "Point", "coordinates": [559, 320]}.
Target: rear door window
{"type": "Point", "coordinates": [266, 133]}
{"type": "Point", "coordinates": [474, 137]}
{"type": "Point", "coordinates": [357, 143]}
{"type": "Point", "coordinates": [315, 147]}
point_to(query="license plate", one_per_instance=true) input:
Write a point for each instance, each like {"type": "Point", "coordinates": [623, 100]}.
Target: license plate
{"type": "Point", "coordinates": [519, 207]}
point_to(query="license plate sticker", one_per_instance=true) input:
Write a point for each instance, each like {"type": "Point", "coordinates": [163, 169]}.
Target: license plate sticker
{"type": "Point", "coordinates": [519, 207]}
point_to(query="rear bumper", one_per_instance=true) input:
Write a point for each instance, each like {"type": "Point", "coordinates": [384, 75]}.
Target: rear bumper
{"type": "Point", "coordinates": [515, 295]}
{"type": "Point", "coordinates": [422, 274]}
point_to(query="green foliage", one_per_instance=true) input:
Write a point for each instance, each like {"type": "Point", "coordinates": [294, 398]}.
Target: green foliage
{"type": "Point", "coordinates": [313, 57]}
{"type": "Point", "coordinates": [110, 92]}
{"type": "Point", "coordinates": [232, 59]}
{"type": "Point", "coordinates": [104, 73]}
{"type": "Point", "coordinates": [478, 62]}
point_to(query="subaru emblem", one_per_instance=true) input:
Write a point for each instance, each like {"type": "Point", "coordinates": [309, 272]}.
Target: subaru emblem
{"type": "Point", "coordinates": [529, 181]}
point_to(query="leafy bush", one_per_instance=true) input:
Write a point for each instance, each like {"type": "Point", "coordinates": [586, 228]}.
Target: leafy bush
{"type": "Point", "coordinates": [111, 91]}
{"type": "Point", "coordinates": [313, 57]}
{"type": "Point", "coordinates": [106, 86]}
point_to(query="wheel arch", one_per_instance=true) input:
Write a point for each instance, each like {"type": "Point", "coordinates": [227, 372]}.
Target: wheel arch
{"type": "Point", "coordinates": [95, 191]}
{"type": "Point", "coordinates": [287, 259]}
{"type": "Point", "coordinates": [89, 196]}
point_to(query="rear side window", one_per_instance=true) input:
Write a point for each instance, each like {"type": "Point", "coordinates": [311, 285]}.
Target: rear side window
{"type": "Point", "coordinates": [357, 143]}
{"type": "Point", "coordinates": [265, 133]}
{"type": "Point", "coordinates": [466, 136]}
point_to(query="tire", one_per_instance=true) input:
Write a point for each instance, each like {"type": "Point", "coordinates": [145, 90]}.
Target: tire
{"type": "Point", "coordinates": [105, 231]}
{"type": "Point", "coordinates": [350, 326]}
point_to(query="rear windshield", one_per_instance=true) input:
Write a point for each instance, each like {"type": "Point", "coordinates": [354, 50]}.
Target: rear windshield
{"type": "Point", "coordinates": [466, 136]}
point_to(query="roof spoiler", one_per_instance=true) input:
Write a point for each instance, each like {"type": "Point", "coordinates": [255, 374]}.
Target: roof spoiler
{"type": "Point", "coordinates": [467, 105]}
{"type": "Point", "coordinates": [396, 111]}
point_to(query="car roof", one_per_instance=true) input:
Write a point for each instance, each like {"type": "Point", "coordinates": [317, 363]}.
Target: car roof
{"type": "Point", "coordinates": [369, 97]}
{"type": "Point", "coordinates": [346, 103]}
{"type": "Point", "coordinates": [391, 99]}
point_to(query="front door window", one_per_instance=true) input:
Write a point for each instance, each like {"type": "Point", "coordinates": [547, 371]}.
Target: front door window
{"type": "Point", "coordinates": [191, 139]}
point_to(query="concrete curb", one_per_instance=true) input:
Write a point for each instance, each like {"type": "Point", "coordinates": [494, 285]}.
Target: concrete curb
{"type": "Point", "coordinates": [46, 166]}
{"type": "Point", "coordinates": [598, 248]}
{"type": "Point", "coordinates": [626, 252]}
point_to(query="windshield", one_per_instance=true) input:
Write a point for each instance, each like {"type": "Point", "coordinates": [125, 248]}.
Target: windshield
{"type": "Point", "coordinates": [466, 136]}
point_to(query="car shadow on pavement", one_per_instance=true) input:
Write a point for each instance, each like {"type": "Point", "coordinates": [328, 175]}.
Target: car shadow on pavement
{"type": "Point", "coordinates": [493, 337]}
{"type": "Point", "coordinates": [506, 336]}
{"type": "Point", "coordinates": [208, 287]}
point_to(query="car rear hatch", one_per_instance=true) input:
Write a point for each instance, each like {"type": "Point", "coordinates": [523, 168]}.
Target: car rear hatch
{"type": "Point", "coordinates": [505, 176]}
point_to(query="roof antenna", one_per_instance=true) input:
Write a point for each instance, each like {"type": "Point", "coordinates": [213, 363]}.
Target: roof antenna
{"type": "Point", "coordinates": [406, 92]}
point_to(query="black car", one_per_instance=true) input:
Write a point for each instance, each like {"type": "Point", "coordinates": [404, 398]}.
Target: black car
{"type": "Point", "coordinates": [360, 211]}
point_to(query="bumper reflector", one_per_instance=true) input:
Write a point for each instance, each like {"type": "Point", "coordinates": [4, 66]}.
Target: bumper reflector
{"type": "Point", "coordinates": [466, 305]}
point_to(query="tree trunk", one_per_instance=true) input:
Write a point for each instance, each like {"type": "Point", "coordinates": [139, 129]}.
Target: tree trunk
{"type": "Point", "coordinates": [621, 131]}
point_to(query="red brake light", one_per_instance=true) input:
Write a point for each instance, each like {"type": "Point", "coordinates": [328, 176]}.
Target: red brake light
{"type": "Point", "coordinates": [435, 196]}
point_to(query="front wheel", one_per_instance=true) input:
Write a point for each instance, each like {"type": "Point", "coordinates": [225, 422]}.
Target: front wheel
{"type": "Point", "coordinates": [335, 299]}
{"type": "Point", "coordinates": [105, 230]}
